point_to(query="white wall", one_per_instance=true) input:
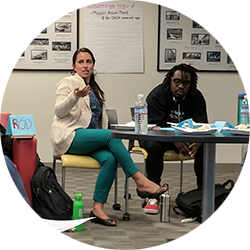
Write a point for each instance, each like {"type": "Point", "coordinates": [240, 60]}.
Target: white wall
{"type": "Point", "coordinates": [34, 92]}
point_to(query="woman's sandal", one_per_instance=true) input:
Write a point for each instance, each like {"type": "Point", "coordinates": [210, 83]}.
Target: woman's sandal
{"type": "Point", "coordinates": [162, 189]}
{"type": "Point", "coordinates": [107, 222]}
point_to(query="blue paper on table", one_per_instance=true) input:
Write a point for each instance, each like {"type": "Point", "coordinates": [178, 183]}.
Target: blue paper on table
{"type": "Point", "coordinates": [189, 123]}
{"type": "Point", "coordinates": [182, 124]}
{"type": "Point", "coordinates": [221, 124]}
{"type": "Point", "coordinates": [21, 126]}
{"type": "Point", "coordinates": [218, 124]}
{"type": "Point", "coordinates": [167, 128]}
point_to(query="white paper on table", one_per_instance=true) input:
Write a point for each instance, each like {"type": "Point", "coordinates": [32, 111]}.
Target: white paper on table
{"type": "Point", "coordinates": [63, 225]}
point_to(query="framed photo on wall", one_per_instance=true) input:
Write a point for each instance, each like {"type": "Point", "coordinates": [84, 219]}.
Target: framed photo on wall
{"type": "Point", "coordinates": [52, 49]}
{"type": "Point", "coordinates": [182, 40]}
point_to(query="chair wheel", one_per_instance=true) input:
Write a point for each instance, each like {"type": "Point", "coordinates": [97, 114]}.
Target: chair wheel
{"type": "Point", "coordinates": [129, 196]}
{"type": "Point", "coordinates": [126, 216]}
{"type": "Point", "coordinates": [116, 206]}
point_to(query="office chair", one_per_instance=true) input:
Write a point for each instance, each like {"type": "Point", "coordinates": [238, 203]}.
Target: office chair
{"type": "Point", "coordinates": [83, 161]}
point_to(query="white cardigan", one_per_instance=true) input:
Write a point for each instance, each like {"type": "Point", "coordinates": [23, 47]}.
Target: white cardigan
{"type": "Point", "coordinates": [71, 113]}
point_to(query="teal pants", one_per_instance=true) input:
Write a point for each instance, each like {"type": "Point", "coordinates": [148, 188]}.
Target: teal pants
{"type": "Point", "coordinates": [107, 150]}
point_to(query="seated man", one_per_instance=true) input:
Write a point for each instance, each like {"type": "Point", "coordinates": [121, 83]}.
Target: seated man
{"type": "Point", "coordinates": [14, 175]}
{"type": "Point", "coordinates": [174, 100]}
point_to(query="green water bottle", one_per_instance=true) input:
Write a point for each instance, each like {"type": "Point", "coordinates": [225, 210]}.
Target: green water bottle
{"type": "Point", "coordinates": [78, 209]}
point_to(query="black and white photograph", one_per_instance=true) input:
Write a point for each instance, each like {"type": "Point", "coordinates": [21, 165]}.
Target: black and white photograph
{"type": "Point", "coordinates": [170, 55]}
{"type": "Point", "coordinates": [172, 15]}
{"type": "Point", "coordinates": [174, 34]}
{"type": "Point", "coordinates": [197, 25]}
{"type": "Point", "coordinates": [200, 39]}
{"type": "Point", "coordinates": [63, 27]}
{"type": "Point", "coordinates": [213, 56]}
{"type": "Point", "coordinates": [61, 46]}
{"type": "Point", "coordinates": [229, 60]}
{"type": "Point", "coordinates": [191, 55]}
{"type": "Point", "coordinates": [39, 54]}
{"type": "Point", "coordinates": [40, 41]}
{"type": "Point", "coordinates": [51, 49]}
{"type": "Point", "coordinates": [217, 42]}
{"type": "Point", "coordinates": [44, 31]}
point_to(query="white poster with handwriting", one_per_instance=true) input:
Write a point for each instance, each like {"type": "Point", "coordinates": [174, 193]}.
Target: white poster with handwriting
{"type": "Point", "coordinates": [114, 32]}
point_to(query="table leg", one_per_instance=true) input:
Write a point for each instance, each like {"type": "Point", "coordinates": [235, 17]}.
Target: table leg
{"type": "Point", "coordinates": [208, 181]}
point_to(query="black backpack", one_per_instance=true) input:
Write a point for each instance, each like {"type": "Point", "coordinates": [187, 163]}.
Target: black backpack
{"type": "Point", "coordinates": [191, 202]}
{"type": "Point", "coordinates": [6, 141]}
{"type": "Point", "coordinates": [49, 199]}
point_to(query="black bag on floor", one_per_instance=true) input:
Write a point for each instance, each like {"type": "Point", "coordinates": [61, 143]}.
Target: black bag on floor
{"type": "Point", "coordinates": [191, 202]}
{"type": "Point", "coordinates": [49, 199]}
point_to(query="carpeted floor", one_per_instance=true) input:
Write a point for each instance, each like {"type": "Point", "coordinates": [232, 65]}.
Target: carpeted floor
{"type": "Point", "coordinates": [142, 230]}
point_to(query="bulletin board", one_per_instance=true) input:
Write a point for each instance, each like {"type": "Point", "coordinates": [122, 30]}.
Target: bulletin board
{"type": "Point", "coordinates": [182, 40]}
{"type": "Point", "coordinates": [53, 48]}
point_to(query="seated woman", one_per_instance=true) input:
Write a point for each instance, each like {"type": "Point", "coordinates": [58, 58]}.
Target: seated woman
{"type": "Point", "coordinates": [80, 128]}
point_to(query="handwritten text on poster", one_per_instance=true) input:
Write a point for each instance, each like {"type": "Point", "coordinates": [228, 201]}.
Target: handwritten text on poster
{"type": "Point", "coordinates": [114, 32]}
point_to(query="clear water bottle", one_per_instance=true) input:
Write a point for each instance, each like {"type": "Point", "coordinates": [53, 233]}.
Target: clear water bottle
{"type": "Point", "coordinates": [141, 115]}
{"type": "Point", "coordinates": [244, 111]}
{"type": "Point", "coordinates": [78, 209]}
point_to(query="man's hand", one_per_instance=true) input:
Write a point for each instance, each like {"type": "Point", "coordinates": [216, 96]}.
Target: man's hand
{"type": "Point", "coordinates": [193, 148]}
{"type": "Point", "coordinates": [186, 148]}
{"type": "Point", "coordinates": [183, 147]}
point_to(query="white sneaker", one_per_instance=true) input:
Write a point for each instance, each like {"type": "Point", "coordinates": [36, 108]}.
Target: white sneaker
{"type": "Point", "coordinates": [151, 206]}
